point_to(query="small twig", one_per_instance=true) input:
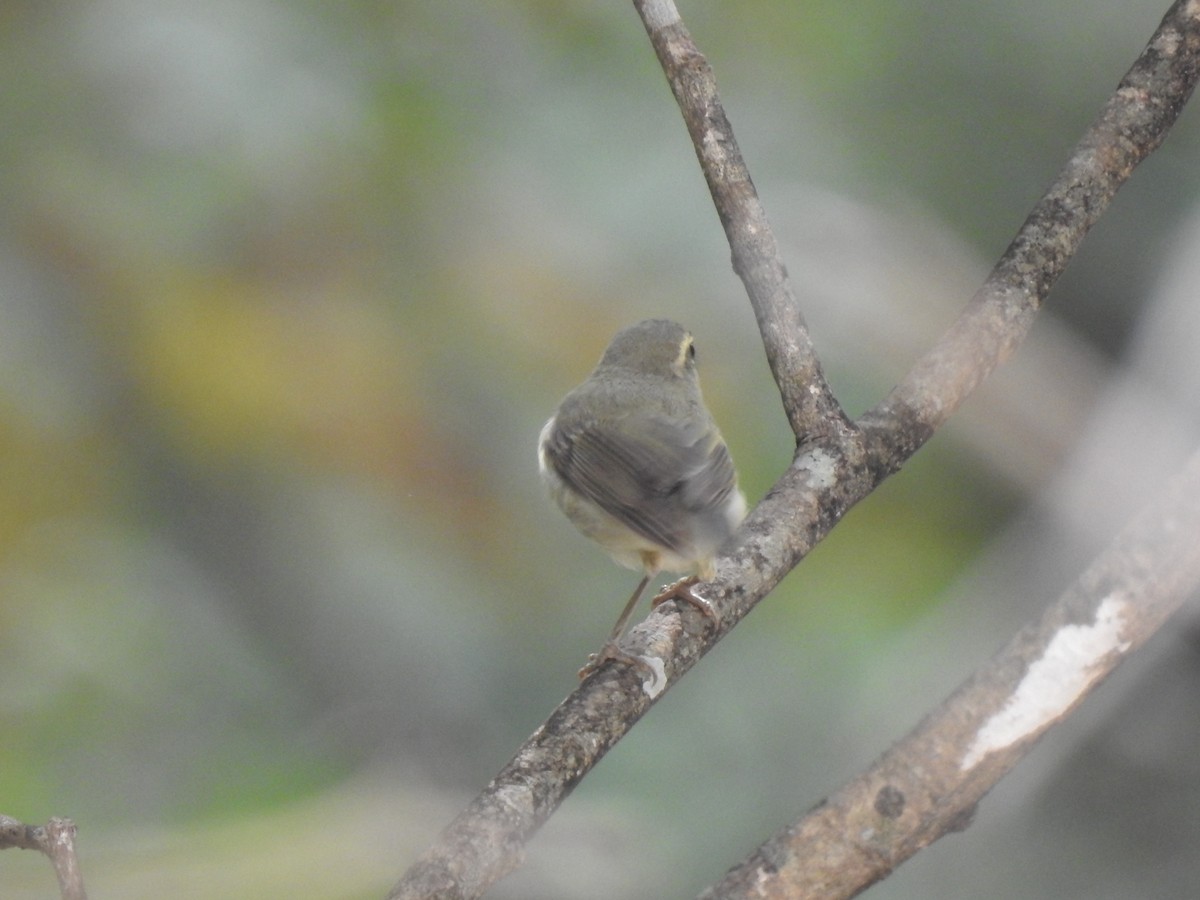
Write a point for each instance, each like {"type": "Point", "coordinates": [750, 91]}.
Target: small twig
{"type": "Point", "coordinates": [55, 839]}
{"type": "Point", "coordinates": [839, 463]}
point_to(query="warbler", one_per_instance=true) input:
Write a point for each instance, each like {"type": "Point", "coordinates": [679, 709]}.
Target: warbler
{"type": "Point", "coordinates": [634, 459]}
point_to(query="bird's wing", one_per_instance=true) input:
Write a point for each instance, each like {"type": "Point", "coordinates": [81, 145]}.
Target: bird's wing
{"type": "Point", "coordinates": [646, 472]}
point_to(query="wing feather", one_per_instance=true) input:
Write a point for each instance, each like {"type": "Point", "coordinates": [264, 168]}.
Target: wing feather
{"type": "Point", "coordinates": [647, 473]}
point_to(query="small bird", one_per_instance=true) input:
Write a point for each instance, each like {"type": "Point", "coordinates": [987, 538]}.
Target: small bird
{"type": "Point", "coordinates": [634, 459]}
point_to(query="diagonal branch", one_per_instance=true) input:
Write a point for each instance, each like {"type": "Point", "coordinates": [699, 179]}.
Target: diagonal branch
{"type": "Point", "coordinates": [840, 462]}
{"type": "Point", "coordinates": [1131, 125]}
{"type": "Point", "coordinates": [929, 782]}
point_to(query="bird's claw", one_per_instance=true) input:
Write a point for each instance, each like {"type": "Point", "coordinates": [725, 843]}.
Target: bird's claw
{"type": "Point", "coordinates": [682, 590]}
{"type": "Point", "coordinates": [610, 650]}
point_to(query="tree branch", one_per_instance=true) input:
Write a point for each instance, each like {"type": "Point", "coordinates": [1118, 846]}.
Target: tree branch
{"type": "Point", "coordinates": [55, 839]}
{"type": "Point", "coordinates": [838, 462]}
{"type": "Point", "coordinates": [1130, 126]}
{"type": "Point", "coordinates": [929, 783]}
{"type": "Point", "coordinates": [809, 403]}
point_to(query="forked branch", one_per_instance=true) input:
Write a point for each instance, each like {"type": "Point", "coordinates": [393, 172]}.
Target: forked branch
{"type": "Point", "coordinates": [838, 462]}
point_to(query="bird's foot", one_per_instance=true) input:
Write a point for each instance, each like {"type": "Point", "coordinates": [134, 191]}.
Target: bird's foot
{"type": "Point", "coordinates": [682, 590]}
{"type": "Point", "coordinates": [610, 650]}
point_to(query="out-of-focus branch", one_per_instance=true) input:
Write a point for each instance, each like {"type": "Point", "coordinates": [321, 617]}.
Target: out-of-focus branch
{"type": "Point", "coordinates": [930, 781]}
{"type": "Point", "coordinates": [837, 463]}
{"type": "Point", "coordinates": [56, 839]}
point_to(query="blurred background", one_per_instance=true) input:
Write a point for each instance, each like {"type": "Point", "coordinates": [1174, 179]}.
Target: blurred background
{"type": "Point", "coordinates": [287, 290]}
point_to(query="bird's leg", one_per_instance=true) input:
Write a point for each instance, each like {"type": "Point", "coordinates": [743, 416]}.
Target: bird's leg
{"type": "Point", "coordinates": [623, 619]}
{"type": "Point", "coordinates": [610, 650]}
{"type": "Point", "coordinates": [682, 590]}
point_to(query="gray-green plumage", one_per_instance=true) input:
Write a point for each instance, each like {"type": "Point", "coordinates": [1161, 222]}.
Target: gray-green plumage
{"type": "Point", "coordinates": [634, 459]}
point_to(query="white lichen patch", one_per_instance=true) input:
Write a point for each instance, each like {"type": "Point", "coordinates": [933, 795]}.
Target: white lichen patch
{"type": "Point", "coordinates": [660, 13]}
{"type": "Point", "coordinates": [517, 798]}
{"type": "Point", "coordinates": [821, 467]}
{"type": "Point", "coordinates": [655, 681]}
{"type": "Point", "coordinates": [1053, 683]}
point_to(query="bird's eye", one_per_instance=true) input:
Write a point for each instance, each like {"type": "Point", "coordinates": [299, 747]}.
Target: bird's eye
{"type": "Point", "coordinates": [691, 351]}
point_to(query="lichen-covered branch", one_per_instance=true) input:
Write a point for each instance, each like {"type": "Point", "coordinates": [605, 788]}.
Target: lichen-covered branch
{"type": "Point", "coordinates": [928, 783]}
